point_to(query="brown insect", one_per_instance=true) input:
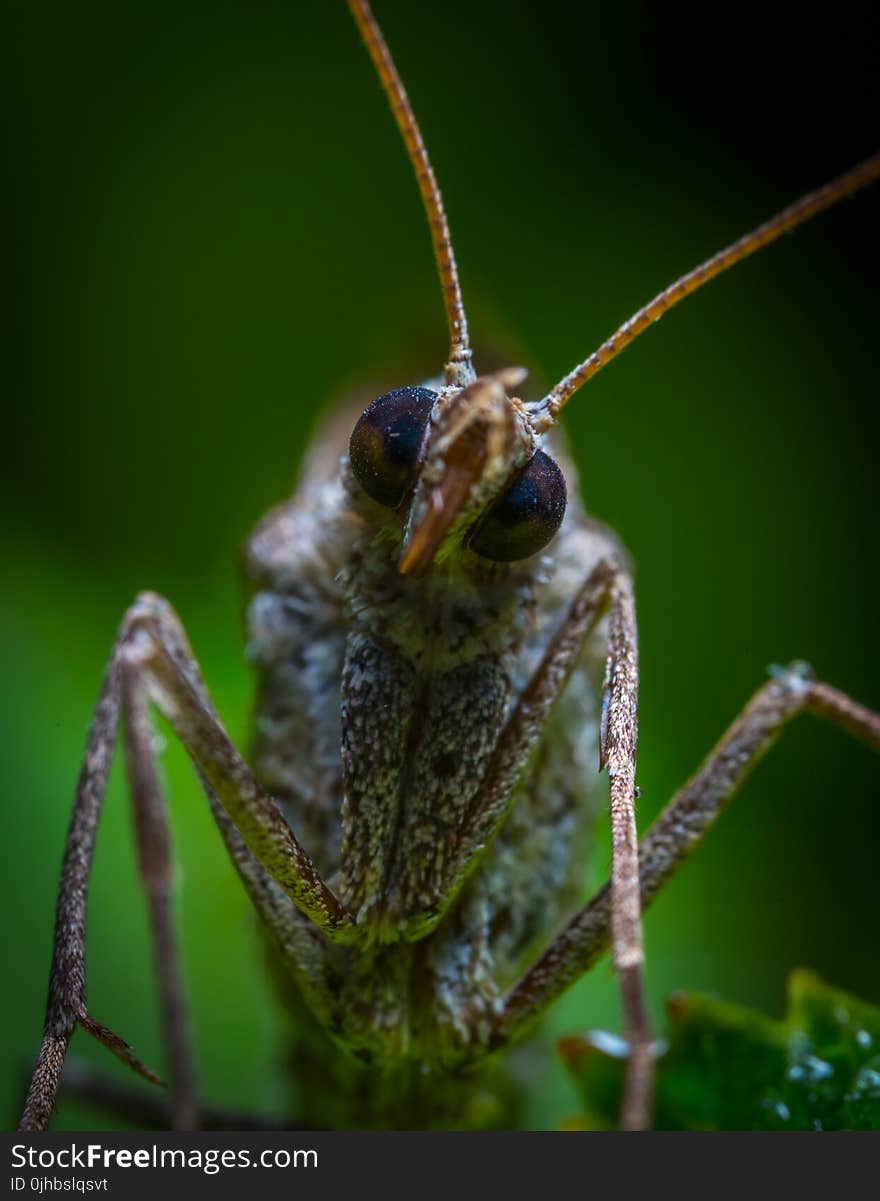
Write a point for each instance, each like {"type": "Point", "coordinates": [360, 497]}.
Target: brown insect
{"type": "Point", "coordinates": [433, 623]}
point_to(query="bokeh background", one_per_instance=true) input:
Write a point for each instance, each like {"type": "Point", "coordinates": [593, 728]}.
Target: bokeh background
{"type": "Point", "coordinates": [214, 232]}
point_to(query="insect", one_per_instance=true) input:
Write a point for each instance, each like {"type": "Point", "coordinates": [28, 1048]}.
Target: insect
{"type": "Point", "coordinates": [383, 425]}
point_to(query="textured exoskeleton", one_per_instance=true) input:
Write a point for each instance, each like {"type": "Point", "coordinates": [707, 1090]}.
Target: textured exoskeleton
{"type": "Point", "coordinates": [430, 669]}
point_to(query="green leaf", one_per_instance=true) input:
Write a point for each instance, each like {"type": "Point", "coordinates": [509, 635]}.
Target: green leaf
{"type": "Point", "coordinates": [725, 1067]}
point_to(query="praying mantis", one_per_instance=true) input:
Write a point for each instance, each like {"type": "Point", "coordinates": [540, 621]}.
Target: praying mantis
{"type": "Point", "coordinates": [610, 587]}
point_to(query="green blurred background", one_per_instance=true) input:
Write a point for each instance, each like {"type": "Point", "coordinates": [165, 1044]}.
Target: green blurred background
{"type": "Point", "coordinates": [214, 232]}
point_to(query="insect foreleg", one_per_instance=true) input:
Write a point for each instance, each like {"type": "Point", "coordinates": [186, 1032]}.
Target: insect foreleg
{"type": "Point", "coordinates": [679, 828]}
{"type": "Point", "coordinates": [523, 729]}
{"type": "Point", "coordinates": [153, 840]}
{"type": "Point", "coordinates": [618, 738]}
{"type": "Point", "coordinates": [66, 1004]}
{"type": "Point", "coordinates": [157, 643]}
{"type": "Point", "coordinates": [608, 586]}
{"type": "Point", "coordinates": [302, 947]}
{"type": "Point", "coordinates": [151, 659]}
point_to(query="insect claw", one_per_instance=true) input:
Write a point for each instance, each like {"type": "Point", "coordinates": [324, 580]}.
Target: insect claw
{"type": "Point", "coordinates": [120, 1048]}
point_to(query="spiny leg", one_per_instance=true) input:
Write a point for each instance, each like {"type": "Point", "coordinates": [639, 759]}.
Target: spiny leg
{"type": "Point", "coordinates": [609, 586]}
{"type": "Point", "coordinates": [155, 864]}
{"type": "Point", "coordinates": [679, 828]}
{"type": "Point", "coordinates": [298, 939]}
{"type": "Point", "coordinates": [523, 730]}
{"type": "Point", "coordinates": [151, 654]}
{"type": "Point", "coordinates": [66, 1004]}
{"type": "Point", "coordinates": [618, 745]}
{"type": "Point", "coordinates": [157, 645]}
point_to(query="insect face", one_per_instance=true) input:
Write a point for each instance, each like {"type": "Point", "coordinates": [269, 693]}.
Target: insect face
{"type": "Point", "coordinates": [451, 500]}
{"type": "Point", "coordinates": [461, 469]}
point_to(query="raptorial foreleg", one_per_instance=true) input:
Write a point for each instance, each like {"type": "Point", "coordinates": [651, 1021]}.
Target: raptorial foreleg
{"type": "Point", "coordinates": [151, 660]}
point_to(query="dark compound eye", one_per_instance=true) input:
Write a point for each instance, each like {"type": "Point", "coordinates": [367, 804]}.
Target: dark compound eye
{"type": "Point", "coordinates": [385, 444]}
{"type": "Point", "coordinates": [524, 517]}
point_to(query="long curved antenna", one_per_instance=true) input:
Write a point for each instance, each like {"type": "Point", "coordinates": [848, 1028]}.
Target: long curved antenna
{"type": "Point", "coordinates": [546, 411]}
{"type": "Point", "coordinates": [459, 369]}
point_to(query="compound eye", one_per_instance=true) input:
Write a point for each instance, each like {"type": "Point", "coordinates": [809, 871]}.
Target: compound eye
{"type": "Point", "coordinates": [525, 516]}
{"type": "Point", "coordinates": [385, 444]}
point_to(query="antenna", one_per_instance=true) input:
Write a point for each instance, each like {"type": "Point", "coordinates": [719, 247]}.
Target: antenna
{"type": "Point", "coordinates": [546, 411]}
{"type": "Point", "coordinates": [459, 369]}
